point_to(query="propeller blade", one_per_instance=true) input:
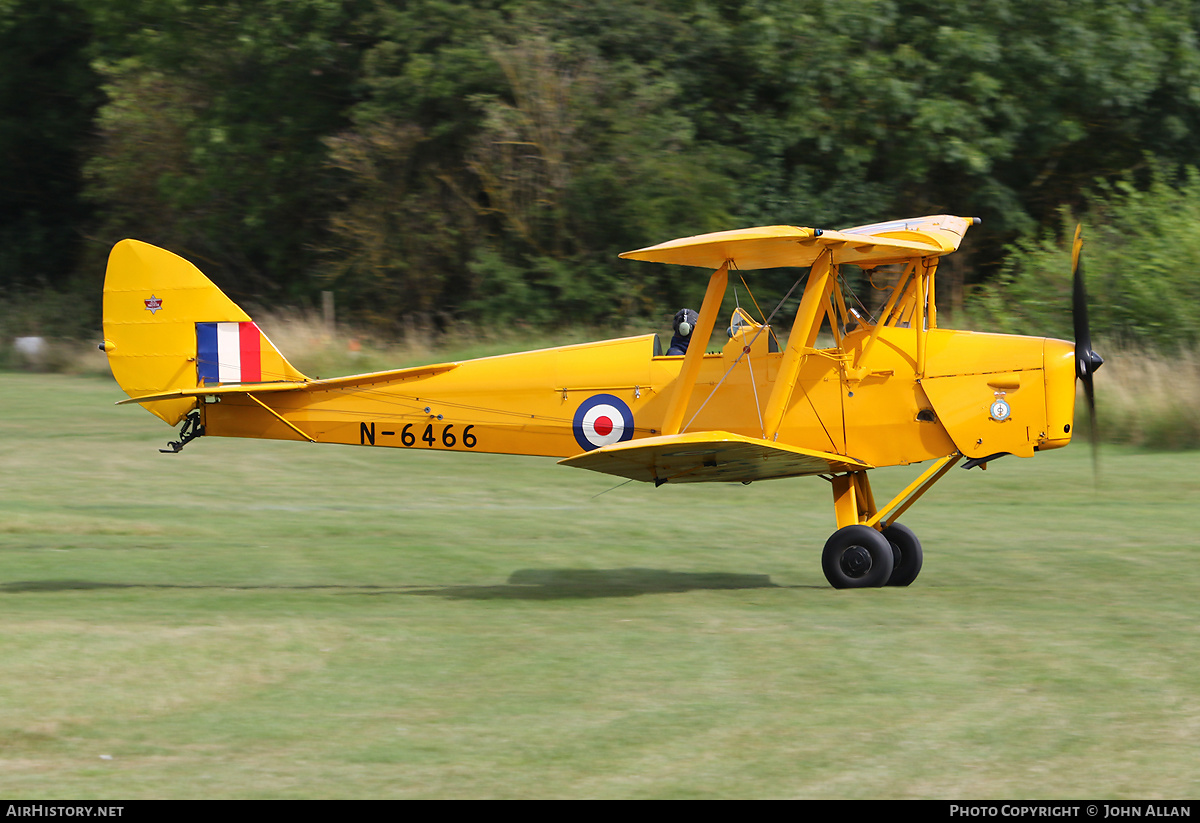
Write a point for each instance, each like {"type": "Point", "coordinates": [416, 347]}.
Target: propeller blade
{"type": "Point", "coordinates": [1086, 359]}
{"type": "Point", "coordinates": [1079, 309]}
{"type": "Point", "coordinates": [1093, 434]}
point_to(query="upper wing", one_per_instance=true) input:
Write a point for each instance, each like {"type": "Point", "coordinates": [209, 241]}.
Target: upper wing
{"type": "Point", "coordinates": [707, 457]}
{"type": "Point", "coordinates": [767, 247]}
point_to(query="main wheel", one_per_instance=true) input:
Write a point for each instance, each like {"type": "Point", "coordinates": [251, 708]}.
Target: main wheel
{"type": "Point", "coordinates": [857, 557]}
{"type": "Point", "coordinates": [908, 557]}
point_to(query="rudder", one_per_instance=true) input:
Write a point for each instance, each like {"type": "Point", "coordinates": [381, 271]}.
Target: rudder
{"type": "Point", "coordinates": [167, 327]}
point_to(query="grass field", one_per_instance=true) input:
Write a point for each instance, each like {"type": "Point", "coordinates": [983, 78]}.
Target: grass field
{"type": "Point", "coordinates": [278, 620]}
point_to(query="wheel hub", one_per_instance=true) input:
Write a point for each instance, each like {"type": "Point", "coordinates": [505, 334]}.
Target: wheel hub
{"type": "Point", "coordinates": [856, 561]}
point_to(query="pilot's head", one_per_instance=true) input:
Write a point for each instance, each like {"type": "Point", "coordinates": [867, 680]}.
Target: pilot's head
{"type": "Point", "coordinates": [685, 321]}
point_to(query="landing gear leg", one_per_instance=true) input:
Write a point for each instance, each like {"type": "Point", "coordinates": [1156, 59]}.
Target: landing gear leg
{"type": "Point", "coordinates": [852, 556]}
{"type": "Point", "coordinates": [856, 556]}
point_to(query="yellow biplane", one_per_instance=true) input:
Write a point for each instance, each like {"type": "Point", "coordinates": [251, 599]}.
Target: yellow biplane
{"type": "Point", "coordinates": [892, 389]}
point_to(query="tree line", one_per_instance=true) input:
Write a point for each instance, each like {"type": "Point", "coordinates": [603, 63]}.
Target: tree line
{"type": "Point", "coordinates": [486, 160]}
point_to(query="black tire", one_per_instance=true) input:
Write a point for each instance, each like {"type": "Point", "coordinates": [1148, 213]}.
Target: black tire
{"type": "Point", "coordinates": [908, 556]}
{"type": "Point", "coordinates": [857, 557]}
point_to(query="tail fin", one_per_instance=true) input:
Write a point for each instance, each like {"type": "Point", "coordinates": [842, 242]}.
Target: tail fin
{"type": "Point", "coordinates": [168, 327]}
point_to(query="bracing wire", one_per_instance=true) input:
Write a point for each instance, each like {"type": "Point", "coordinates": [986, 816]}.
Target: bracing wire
{"type": "Point", "coordinates": [745, 349]}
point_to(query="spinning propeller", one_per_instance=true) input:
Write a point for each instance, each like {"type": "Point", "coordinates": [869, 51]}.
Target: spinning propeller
{"type": "Point", "coordinates": [1086, 359]}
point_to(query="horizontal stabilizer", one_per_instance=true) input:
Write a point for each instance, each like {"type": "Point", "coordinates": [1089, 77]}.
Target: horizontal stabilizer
{"type": "Point", "coordinates": [213, 391]}
{"type": "Point", "coordinates": [707, 457]}
{"type": "Point", "coordinates": [336, 383]}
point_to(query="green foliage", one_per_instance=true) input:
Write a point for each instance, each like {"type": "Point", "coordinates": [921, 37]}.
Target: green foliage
{"type": "Point", "coordinates": [48, 95]}
{"type": "Point", "coordinates": [211, 140]}
{"type": "Point", "coordinates": [1141, 259]}
{"type": "Point", "coordinates": [421, 157]}
{"type": "Point", "coordinates": [388, 253]}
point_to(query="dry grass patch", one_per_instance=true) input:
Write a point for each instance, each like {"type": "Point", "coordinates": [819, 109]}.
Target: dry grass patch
{"type": "Point", "coordinates": [1148, 399]}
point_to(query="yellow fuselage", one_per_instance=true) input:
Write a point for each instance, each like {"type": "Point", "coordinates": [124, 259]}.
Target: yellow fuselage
{"type": "Point", "coordinates": [878, 410]}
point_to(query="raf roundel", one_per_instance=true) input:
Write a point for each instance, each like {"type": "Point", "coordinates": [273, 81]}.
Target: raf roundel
{"type": "Point", "coordinates": [602, 420]}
